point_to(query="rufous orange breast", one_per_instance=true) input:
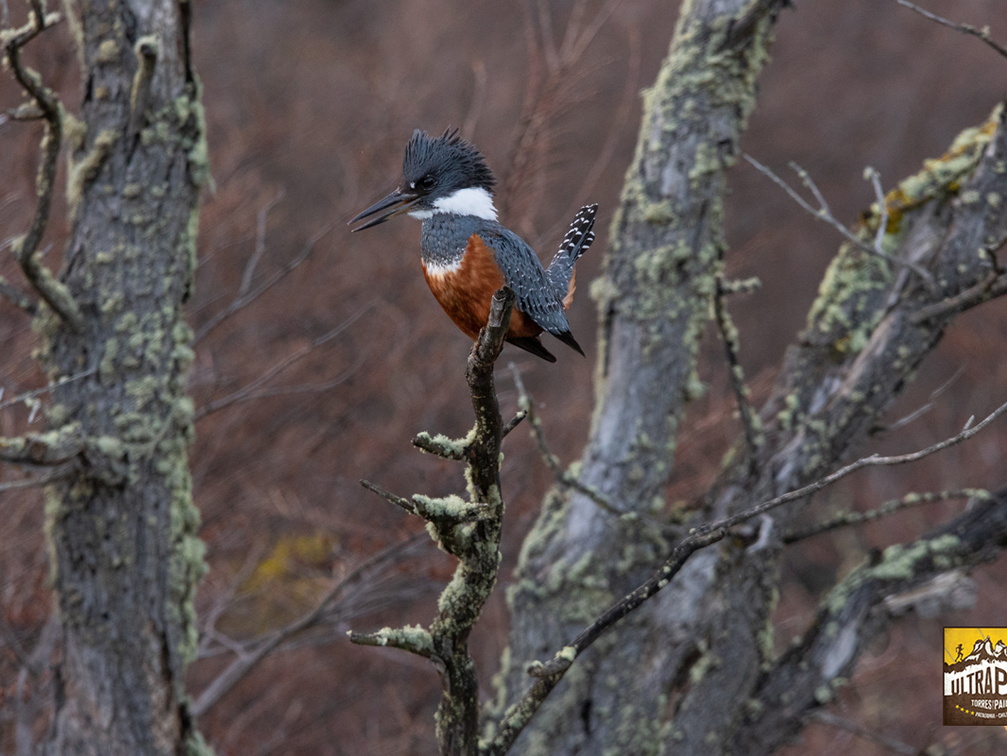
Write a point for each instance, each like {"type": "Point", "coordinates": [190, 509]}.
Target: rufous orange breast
{"type": "Point", "coordinates": [465, 290]}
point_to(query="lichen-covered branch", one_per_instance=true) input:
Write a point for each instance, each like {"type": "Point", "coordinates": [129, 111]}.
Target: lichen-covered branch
{"type": "Point", "coordinates": [861, 347]}
{"type": "Point", "coordinates": [26, 247]}
{"type": "Point", "coordinates": [855, 612]}
{"type": "Point", "coordinates": [550, 673]}
{"type": "Point", "coordinates": [115, 347]}
{"type": "Point", "coordinates": [924, 252]}
{"type": "Point", "coordinates": [470, 531]}
{"type": "Point", "coordinates": [59, 472]}
{"type": "Point", "coordinates": [654, 298]}
{"type": "Point", "coordinates": [43, 449]}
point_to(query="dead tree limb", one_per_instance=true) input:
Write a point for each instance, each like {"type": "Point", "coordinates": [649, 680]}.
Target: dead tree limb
{"type": "Point", "coordinates": [54, 292]}
{"type": "Point", "coordinates": [469, 529]}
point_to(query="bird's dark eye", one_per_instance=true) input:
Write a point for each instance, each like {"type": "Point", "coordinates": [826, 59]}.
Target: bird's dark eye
{"type": "Point", "coordinates": [426, 183]}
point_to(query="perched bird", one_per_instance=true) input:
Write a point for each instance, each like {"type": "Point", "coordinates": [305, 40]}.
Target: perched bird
{"type": "Point", "coordinates": [467, 254]}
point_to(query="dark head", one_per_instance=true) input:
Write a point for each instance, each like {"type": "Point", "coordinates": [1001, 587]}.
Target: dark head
{"type": "Point", "coordinates": [442, 174]}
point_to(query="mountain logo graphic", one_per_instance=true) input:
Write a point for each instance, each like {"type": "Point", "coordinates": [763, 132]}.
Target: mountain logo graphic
{"type": "Point", "coordinates": [975, 676]}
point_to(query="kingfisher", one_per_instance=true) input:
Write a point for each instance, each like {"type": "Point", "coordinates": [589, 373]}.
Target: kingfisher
{"type": "Point", "coordinates": [467, 254]}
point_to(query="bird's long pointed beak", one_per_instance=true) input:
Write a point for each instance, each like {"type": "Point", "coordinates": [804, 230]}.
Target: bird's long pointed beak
{"type": "Point", "coordinates": [395, 203]}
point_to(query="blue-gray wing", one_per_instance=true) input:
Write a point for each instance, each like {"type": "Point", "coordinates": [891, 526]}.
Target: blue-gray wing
{"type": "Point", "coordinates": [523, 272]}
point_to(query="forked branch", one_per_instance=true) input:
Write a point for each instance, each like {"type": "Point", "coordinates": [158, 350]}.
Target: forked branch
{"type": "Point", "coordinates": [469, 529]}
{"type": "Point", "coordinates": [26, 247]}
{"type": "Point", "coordinates": [983, 33]}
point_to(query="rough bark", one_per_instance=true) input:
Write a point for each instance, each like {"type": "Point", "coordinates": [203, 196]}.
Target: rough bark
{"type": "Point", "coordinates": [867, 334]}
{"type": "Point", "coordinates": [654, 299]}
{"type": "Point", "coordinates": [470, 532]}
{"type": "Point", "coordinates": [706, 637]}
{"type": "Point", "coordinates": [858, 609]}
{"type": "Point", "coordinates": [122, 526]}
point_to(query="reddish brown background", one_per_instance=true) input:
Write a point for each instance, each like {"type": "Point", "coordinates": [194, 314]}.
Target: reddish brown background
{"type": "Point", "coordinates": [309, 105]}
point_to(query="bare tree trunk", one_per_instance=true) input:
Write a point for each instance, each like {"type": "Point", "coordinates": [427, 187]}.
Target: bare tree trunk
{"type": "Point", "coordinates": [122, 524]}
{"type": "Point", "coordinates": [693, 671]}
{"type": "Point", "coordinates": [660, 276]}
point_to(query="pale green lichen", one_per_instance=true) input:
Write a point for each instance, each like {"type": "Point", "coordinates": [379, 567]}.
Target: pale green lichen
{"type": "Point", "coordinates": [451, 447]}
{"type": "Point", "coordinates": [848, 306]}
{"type": "Point", "coordinates": [838, 312]}
{"type": "Point", "coordinates": [662, 291]}
{"type": "Point", "coordinates": [85, 170]}
{"type": "Point", "coordinates": [199, 156]}
{"type": "Point", "coordinates": [766, 639]}
{"type": "Point", "coordinates": [445, 507]}
{"type": "Point", "coordinates": [410, 636]}
{"type": "Point", "coordinates": [823, 694]}
{"type": "Point", "coordinates": [898, 562]}
{"type": "Point", "coordinates": [108, 51]}
{"type": "Point", "coordinates": [787, 418]}
{"type": "Point", "coordinates": [706, 662]}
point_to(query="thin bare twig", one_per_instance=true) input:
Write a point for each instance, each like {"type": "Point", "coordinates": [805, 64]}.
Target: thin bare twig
{"type": "Point", "coordinates": [514, 422]}
{"type": "Point", "coordinates": [754, 438]}
{"type": "Point", "coordinates": [846, 519]}
{"type": "Point", "coordinates": [58, 473]}
{"type": "Point", "coordinates": [248, 392]}
{"type": "Point", "coordinates": [920, 411]}
{"type": "Point", "coordinates": [872, 175]}
{"type": "Point", "coordinates": [622, 114]}
{"type": "Point", "coordinates": [555, 69]}
{"type": "Point", "coordinates": [246, 293]}
{"type": "Point", "coordinates": [893, 745]}
{"type": "Point", "coordinates": [824, 213]}
{"type": "Point", "coordinates": [254, 653]}
{"type": "Point", "coordinates": [402, 503]}
{"type": "Point", "coordinates": [993, 286]}
{"type": "Point", "coordinates": [210, 616]}
{"type": "Point", "coordinates": [27, 397]}
{"type": "Point", "coordinates": [983, 34]}
{"type": "Point", "coordinates": [560, 474]}
{"type": "Point", "coordinates": [259, 250]}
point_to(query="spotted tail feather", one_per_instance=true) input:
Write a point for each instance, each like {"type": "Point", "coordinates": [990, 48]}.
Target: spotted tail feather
{"type": "Point", "coordinates": [576, 242]}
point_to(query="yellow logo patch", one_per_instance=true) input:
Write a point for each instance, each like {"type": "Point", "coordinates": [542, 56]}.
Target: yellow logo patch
{"type": "Point", "coordinates": [975, 676]}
